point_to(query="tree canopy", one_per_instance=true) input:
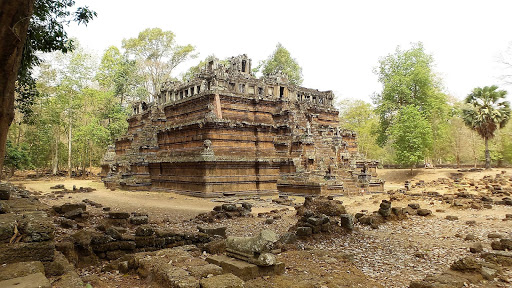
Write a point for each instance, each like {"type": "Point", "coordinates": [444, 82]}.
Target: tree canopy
{"type": "Point", "coordinates": [280, 61]}
{"type": "Point", "coordinates": [487, 112]}
{"type": "Point", "coordinates": [411, 136]}
{"type": "Point", "coordinates": [21, 39]}
{"type": "Point", "coordinates": [157, 54]}
{"type": "Point", "coordinates": [407, 78]}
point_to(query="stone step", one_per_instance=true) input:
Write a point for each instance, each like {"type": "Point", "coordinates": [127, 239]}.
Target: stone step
{"type": "Point", "coordinates": [36, 280]}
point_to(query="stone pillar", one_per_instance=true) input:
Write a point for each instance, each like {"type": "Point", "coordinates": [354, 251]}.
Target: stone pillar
{"type": "Point", "coordinates": [217, 108]}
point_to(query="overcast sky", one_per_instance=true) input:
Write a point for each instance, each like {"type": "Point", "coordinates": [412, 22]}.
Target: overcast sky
{"type": "Point", "coordinates": [337, 43]}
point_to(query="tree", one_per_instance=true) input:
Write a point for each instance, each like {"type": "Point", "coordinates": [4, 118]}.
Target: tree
{"type": "Point", "coordinates": [118, 74]}
{"type": "Point", "coordinates": [157, 54]}
{"type": "Point", "coordinates": [487, 112]}
{"type": "Point", "coordinates": [282, 62]}
{"type": "Point", "coordinates": [411, 136]}
{"type": "Point", "coordinates": [408, 79]}
{"type": "Point", "coordinates": [16, 157]}
{"type": "Point", "coordinates": [28, 26]}
{"type": "Point", "coordinates": [359, 116]}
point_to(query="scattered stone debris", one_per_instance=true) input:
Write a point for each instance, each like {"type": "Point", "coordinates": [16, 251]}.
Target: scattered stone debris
{"type": "Point", "coordinates": [226, 211]}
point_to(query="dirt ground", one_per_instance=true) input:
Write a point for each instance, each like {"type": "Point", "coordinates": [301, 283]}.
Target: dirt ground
{"type": "Point", "coordinates": [390, 256]}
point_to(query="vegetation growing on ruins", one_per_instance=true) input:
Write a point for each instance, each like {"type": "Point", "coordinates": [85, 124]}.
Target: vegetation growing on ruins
{"type": "Point", "coordinates": [280, 61]}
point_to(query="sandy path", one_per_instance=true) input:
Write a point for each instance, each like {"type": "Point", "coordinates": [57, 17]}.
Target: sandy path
{"type": "Point", "coordinates": [158, 204]}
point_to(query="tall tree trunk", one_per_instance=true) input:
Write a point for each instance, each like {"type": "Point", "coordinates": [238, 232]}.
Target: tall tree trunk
{"type": "Point", "coordinates": [69, 148]}
{"type": "Point", "coordinates": [14, 21]}
{"type": "Point", "coordinates": [487, 154]}
{"type": "Point", "coordinates": [56, 156]}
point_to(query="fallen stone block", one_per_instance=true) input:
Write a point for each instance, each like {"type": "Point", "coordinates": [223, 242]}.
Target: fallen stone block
{"type": "Point", "coordinates": [64, 208]}
{"type": "Point", "coordinates": [20, 269]}
{"type": "Point", "coordinates": [424, 212]}
{"type": "Point", "coordinates": [222, 281]}
{"type": "Point", "coordinates": [202, 271]}
{"type": "Point", "coordinates": [118, 215]}
{"type": "Point", "coordinates": [22, 252]}
{"type": "Point", "coordinates": [5, 192]}
{"type": "Point", "coordinates": [139, 220]}
{"type": "Point", "coordinates": [58, 266]}
{"type": "Point", "coordinates": [245, 270]}
{"type": "Point", "coordinates": [218, 231]}
{"type": "Point", "coordinates": [36, 280]}
{"type": "Point", "coordinates": [69, 280]}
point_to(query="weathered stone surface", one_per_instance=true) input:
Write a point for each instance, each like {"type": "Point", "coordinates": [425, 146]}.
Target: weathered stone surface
{"type": "Point", "coordinates": [451, 218]}
{"type": "Point", "coordinates": [74, 214]}
{"type": "Point", "coordinates": [62, 209]}
{"type": "Point", "coordinates": [139, 220]}
{"type": "Point", "coordinates": [424, 212]}
{"type": "Point", "coordinates": [466, 264]}
{"type": "Point", "coordinates": [243, 269]}
{"type": "Point", "coordinates": [144, 231]}
{"type": "Point", "coordinates": [215, 247]}
{"type": "Point", "coordinates": [245, 248]}
{"type": "Point", "coordinates": [498, 257]}
{"type": "Point", "coordinates": [414, 205]}
{"type": "Point", "coordinates": [68, 280]}
{"type": "Point", "coordinates": [222, 281]}
{"type": "Point", "coordinates": [36, 280]}
{"type": "Point", "coordinates": [118, 215]}
{"type": "Point", "coordinates": [5, 191]}
{"type": "Point", "coordinates": [494, 235]}
{"type": "Point", "coordinates": [20, 269]}
{"type": "Point", "coordinates": [201, 271]}
{"type": "Point", "coordinates": [58, 266]}
{"type": "Point", "coordinates": [35, 251]}
{"type": "Point", "coordinates": [347, 221]}
{"type": "Point", "coordinates": [4, 208]}
{"type": "Point", "coordinates": [304, 231]}
{"type": "Point", "coordinates": [476, 248]}
{"type": "Point", "coordinates": [217, 231]}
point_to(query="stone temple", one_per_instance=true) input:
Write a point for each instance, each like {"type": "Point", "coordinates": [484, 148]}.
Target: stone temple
{"type": "Point", "coordinates": [226, 132]}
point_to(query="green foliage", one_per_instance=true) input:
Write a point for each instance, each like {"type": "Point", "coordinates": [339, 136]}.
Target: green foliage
{"type": "Point", "coordinates": [118, 74]}
{"type": "Point", "coordinates": [411, 136]}
{"type": "Point", "coordinates": [157, 54]}
{"type": "Point", "coordinates": [407, 79]}
{"type": "Point", "coordinates": [17, 156]}
{"type": "Point", "coordinates": [359, 116]}
{"type": "Point", "coordinates": [487, 111]}
{"type": "Point", "coordinates": [67, 101]}
{"type": "Point", "coordinates": [282, 62]}
{"type": "Point", "coordinates": [46, 34]}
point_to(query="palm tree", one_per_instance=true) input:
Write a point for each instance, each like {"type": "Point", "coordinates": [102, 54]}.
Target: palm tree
{"type": "Point", "coordinates": [488, 110]}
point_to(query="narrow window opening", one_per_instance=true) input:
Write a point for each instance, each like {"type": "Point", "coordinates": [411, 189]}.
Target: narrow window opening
{"type": "Point", "coordinates": [260, 91]}
{"type": "Point", "coordinates": [198, 89]}
{"type": "Point", "coordinates": [243, 65]}
{"type": "Point", "coordinates": [209, 85]}
{"type": "Point", "coordinates": [210, 66]}
{"type": "Point", "coordinates": [241, 88]}
{"type": "Point", "coordinates": [281, 92]}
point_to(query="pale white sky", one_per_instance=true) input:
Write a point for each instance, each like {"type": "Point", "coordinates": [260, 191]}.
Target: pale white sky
{"type": "Point", "coordinates": [337, 43]}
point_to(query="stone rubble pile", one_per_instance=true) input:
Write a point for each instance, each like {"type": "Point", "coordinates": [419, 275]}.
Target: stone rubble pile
{"type": "Point", "coordinates": [226, 211]}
